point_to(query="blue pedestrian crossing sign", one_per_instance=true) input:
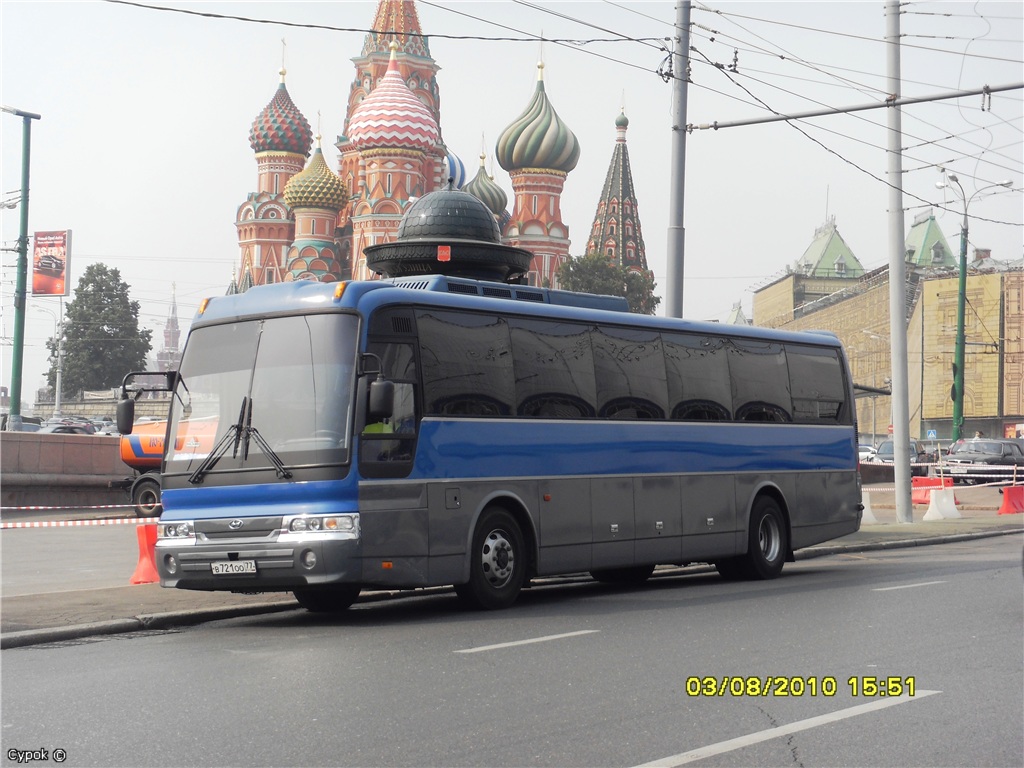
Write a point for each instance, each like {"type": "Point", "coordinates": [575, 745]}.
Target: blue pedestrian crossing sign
{"type": "Point", "coordinates": [932, 434]}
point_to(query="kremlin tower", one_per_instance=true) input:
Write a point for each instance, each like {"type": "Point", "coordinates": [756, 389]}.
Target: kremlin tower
{"type": "Point", "coordinates": [538, 150]}
{"type": "Point", "coordinates": [616, 228]}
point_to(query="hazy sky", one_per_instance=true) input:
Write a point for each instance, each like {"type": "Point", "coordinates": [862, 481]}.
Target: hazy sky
{"type": "Point", "coordinates": [142, 150]}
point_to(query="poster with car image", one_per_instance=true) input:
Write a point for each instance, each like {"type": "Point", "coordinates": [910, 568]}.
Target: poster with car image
{"type": "Point", "coordinates": [50, 258]}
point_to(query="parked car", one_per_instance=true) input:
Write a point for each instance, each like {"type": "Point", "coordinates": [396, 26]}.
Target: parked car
{"type": "Point", "coordinates": [984, 459]}
{"type": "Point", "coordinates": [866, 452]}
{"type": "Point", "coordinates": [918, 459]}
{"type": "Point", "coordinates": [69, 429]}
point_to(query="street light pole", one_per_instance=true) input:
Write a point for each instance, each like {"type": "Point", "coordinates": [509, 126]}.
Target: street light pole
{"type": "Point", "coordinates": [959, 350]}
{"type": "Point", "coordinates": [961, 340]}
{"type": "Point", "coordinates": [14, 415]}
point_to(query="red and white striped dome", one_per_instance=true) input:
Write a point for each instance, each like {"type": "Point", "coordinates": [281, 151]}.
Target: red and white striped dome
{"type": "Point", "coordinates": [392, 116]}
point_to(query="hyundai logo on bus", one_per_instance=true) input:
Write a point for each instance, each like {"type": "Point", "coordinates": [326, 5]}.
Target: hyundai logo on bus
{"type": "Point", "coordinates": [236, 524]}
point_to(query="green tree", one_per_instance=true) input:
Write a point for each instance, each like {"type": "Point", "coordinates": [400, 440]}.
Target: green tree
{"type": "Point", "coordinates": [102, 339]}
{"type": "Point", "coordinates": [594, 273]}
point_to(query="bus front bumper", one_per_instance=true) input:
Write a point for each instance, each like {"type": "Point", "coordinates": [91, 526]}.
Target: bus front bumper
{"type": "Point", "coordinates": [288, 562]}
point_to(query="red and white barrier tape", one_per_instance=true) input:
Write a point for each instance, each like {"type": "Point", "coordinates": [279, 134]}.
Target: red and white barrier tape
{"type": "Point", "coordinates": [95, 506]}
{"type": "Point", "coordinates": [76, 523]}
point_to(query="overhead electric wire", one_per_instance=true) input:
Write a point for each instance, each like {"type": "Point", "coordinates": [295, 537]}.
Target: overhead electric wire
{"type": "Point", "coordinates": [793, 123]}
{"type": "Point", "coordinates": [363, 30]}
{"type": "Point", "coordinates": [566, 17]}
{"type": "Point", "coordinates": [790, 57]}
{"type": "Point", "coordinates": [852, 114]}
{"type": "Point", "coordinates": [701, 7]}
{"type": "Point", "coordinates": [562, 42]}
{"type": "Point", "coordinates": [813, 64]}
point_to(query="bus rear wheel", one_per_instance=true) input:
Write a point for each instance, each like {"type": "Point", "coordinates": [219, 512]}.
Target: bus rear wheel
{"type": "Point", "coordinates": [767, 544]}
{"type": "Point", "coordinates": [497, 568]}
{"type": "Point", "coordinates": [636, 574]}
{"type": "Point", "coordinates": [327, 600]}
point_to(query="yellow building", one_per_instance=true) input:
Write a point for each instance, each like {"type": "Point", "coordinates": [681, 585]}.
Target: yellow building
{"type": "Point", "coordinates": [859, 315]}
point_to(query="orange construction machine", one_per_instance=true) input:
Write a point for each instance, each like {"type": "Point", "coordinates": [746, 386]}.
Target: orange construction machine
{"type": "Point", "coordinates": [143, 451]}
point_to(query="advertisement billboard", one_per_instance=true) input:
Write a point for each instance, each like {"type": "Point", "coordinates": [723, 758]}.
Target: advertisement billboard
{"type": "Point", "coordinates": [50, 259]}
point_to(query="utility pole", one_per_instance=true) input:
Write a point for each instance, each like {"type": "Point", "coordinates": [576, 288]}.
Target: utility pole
{"type": "Point", "coordinates": [677, 185]}
{"type": "Point", "coordinates": [14, 417]}
{"type": "Point", "coordinates": [897, 274]}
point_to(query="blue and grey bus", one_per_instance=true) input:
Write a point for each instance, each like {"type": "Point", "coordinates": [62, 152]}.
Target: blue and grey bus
{"type": "Point", "coordinates": [439, 430]}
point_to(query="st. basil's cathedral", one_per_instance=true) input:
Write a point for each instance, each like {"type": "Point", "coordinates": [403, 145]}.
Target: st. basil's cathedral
{"type": "Point", "coordinates": [306, 221]}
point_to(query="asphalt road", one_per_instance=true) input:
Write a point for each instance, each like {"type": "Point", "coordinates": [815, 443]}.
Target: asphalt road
{"type": "Point", "coordinates": [574, 675]}
{"type": "Point", "coordinates": [39, 560]}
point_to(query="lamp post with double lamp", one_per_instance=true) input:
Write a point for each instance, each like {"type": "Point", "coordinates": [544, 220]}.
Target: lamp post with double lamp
{"type": "Point", "coordinates": [957, 393]}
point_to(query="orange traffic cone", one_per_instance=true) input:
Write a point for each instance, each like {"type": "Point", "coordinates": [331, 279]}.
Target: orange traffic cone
{"type": "Point", "coordinates": [145, 571]}
{"type": "Point", "coordinates": [1013, 500]}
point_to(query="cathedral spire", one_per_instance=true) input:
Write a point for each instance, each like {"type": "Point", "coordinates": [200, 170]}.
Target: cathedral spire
{"type": "Point", "coordinates": [616, 229]}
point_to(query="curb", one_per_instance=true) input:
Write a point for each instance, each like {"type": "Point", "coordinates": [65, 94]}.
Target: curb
{"type": "Point", "coordinates": [813, 552]}
{"type": "Point", "coordinates": [172, 619]}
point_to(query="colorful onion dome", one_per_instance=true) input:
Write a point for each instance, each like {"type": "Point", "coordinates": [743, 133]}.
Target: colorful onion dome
{"type": "Point", "coordinates": [454, 169]}
{"type": "Point", "coordinates": [281, 127]}
{"type": "Point", "coordinates": [483, 188]}
{"type": "Point", "coordinates": [538, 138]}
{"type": "Point", "coordinates": [316, 186]}
{"type": "Point", "coordinates": [392, 116]}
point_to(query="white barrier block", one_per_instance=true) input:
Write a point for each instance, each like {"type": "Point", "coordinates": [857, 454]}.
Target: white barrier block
{"type": "Point", "coordinates": [942, 505]}
{"type": "Point", "coordinates": [867, 517]}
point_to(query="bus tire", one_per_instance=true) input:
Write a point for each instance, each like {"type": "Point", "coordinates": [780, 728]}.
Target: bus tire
{"type": "Point", "coordinates": [636, 574]}
{"type": "Point", "coordinates": [498, 560]}
{"type": "Point", "coordinates": [767, 543]}
{"type": "Point", "coordinates": [146, 497]}
{"type": "Point", "coordinates": [332, 600]}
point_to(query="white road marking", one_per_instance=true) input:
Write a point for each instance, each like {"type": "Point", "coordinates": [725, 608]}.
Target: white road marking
{"type": "Point", "coordinates": [783, 730]}
{"type": "Point", "coordinates": [527, 642]}
{"type": "Point", "coordinates": [908, 586]}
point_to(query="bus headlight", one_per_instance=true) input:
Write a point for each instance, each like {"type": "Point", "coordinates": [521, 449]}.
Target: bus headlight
{"type": "Point", "coordinates": [323, 524]}
{"type": "Point", "coordinates": [182, 529]}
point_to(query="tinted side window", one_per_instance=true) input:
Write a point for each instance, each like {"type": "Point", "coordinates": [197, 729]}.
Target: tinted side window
{"type": "Point", "coordinates": [630, 374]}
{"type": "Point", "coordinates": [554, 369]}
{"type": "Point", "coordinates": [760, 381]}
{"type": "Point", "coordinates": [697, 369]}
{"type": "Point", "coordinates": [816, 381]}
{"type": "Point", "coordinates": [466, 360]}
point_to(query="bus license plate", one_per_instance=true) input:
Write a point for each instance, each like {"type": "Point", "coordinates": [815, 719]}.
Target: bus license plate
{"type": "Point", "coordinates": [233, 567]}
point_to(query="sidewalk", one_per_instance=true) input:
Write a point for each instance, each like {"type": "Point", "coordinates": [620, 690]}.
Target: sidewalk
{"type": "Point", "coordinates": [40, 618]}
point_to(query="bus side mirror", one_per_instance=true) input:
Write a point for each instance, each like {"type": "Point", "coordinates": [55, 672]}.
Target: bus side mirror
{"type": "Point", "coordinates": [125, 415]}
{"type": "Point", "coordinates": [382, 399]}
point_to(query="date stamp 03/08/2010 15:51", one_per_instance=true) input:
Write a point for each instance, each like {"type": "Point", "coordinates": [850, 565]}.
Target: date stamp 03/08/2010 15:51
{"type": "Point", "coordinates": [779, 685]}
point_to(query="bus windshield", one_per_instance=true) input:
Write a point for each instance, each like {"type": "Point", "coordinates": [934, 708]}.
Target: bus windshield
{"type": "Point", "coordinates": [264, 394]}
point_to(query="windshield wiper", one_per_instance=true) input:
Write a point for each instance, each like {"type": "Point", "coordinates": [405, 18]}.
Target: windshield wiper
{"type": "Point", "coordinates": [233, 435]}
{"type": "Point", "coordinates": [251, 432]}
{"type": "Point", "coordinates": [236, 435]}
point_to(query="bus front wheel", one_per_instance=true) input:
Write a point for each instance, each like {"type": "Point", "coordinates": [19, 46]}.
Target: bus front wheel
{"type": "Point", "coordinates": [497, 569]}
{"type": "Point", "coordinates": [332, 600]}
{"type": "Point", "coordinates": [767, 544]}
